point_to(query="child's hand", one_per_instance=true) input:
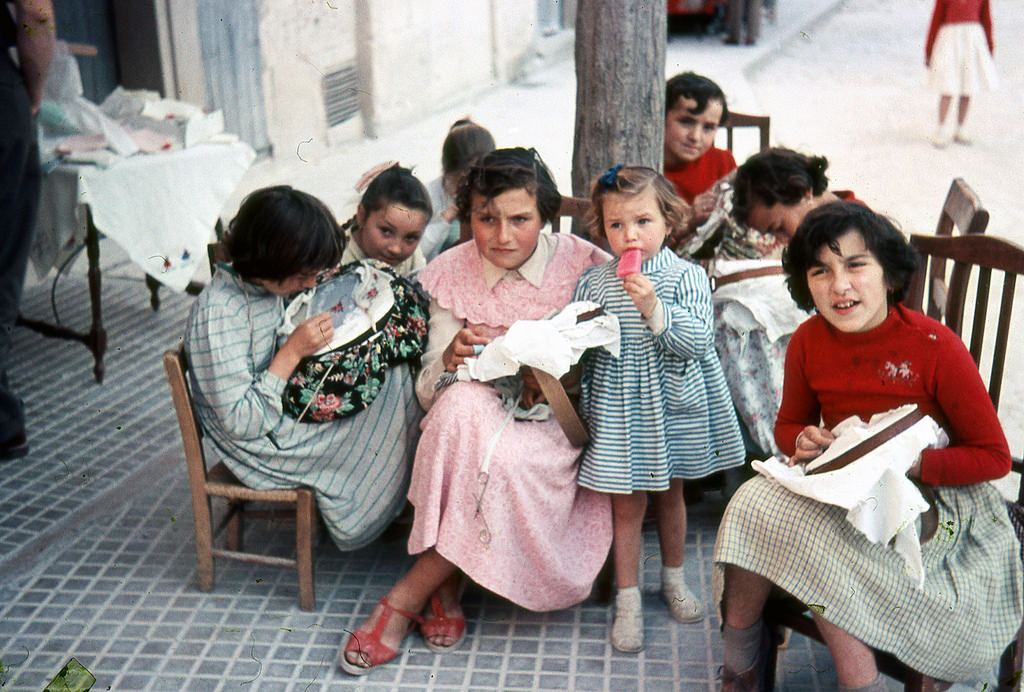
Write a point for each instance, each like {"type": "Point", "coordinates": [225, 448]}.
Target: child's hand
{"type": "Point", "coordinates": [532, 393]}
{"type": "Point", "coordinates": [641, 290]}
{"type": "Point", "coordinates": [308, 338]}
{"type": "Point", "coordinates": [703, 205]}
{"type": "Point", "coordinates": [311, 335]}
{"type": "Point", "coordinates": [450, 213]}
{"type": "Point", "coordinates": [810, 443]}
{"type": "Point", "coordinates": [461, 347]}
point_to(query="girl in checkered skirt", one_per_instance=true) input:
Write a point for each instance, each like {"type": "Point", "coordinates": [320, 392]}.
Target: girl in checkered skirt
{"type": "Point", "coordinates": [865, 353]}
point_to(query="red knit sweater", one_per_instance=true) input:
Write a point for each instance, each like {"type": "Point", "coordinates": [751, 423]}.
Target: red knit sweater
{"type": "Point", "coordinates": [695, 177]}
{"type": "Point", "coordinates": [953, 12]}
{"type": "Point", "coordinates": [909, 358]}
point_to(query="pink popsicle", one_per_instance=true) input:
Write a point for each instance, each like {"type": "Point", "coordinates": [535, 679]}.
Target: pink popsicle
{"type": "Point", "coordinates": [629, 263]}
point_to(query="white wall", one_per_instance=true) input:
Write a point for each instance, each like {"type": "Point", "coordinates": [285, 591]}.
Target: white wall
{"type": "Point", "coordinates": [300, 42]}
{"type": "Point", "coordinates": [413, 57]}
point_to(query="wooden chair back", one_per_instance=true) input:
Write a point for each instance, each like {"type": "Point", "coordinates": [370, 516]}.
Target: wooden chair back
{"type": "Point", "coordinates": [219, 481]}
{"type": "Point", "coordinates": [761, 122]}
{"type": "Point", "coordinates": [961, 213]}
{"type": "Point", "coordinates": [216, 252]}
{"type": "Point", "coordinates": [575, 207]}
{"type": "Point", "coordinates": [984, 261]}
{"type": "Point", "coordinates": [945, 293]}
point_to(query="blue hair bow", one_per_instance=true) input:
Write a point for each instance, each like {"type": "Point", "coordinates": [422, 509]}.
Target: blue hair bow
{"type": "Point", "coordinates": [607, 179]}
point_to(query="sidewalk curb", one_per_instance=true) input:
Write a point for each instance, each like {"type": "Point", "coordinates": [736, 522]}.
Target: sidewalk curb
{"type": "Point", "coordinates": [826, 12]}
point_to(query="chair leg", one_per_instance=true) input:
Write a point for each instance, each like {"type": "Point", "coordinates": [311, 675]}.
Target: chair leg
{"type": "Point", "coordinates": [305, 520]}
{"type": "Point", "coordinates": [771, 658]}
{"type": "Point", "coordinates": [1010, 667]}
{"type": "Point", "coordinates": [235, 528]}
{"type": "Point", "coordinates": [204, 541]}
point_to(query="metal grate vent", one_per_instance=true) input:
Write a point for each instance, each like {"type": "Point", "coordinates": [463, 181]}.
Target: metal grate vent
{"type": "Point", "coordinates": [341, 95]}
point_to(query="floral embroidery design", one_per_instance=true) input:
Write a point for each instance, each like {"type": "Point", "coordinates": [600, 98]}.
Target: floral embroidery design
{"type": "Point", "coordinates": [359, 368]}
{"type": "Point", "coordinates": [899, 372]}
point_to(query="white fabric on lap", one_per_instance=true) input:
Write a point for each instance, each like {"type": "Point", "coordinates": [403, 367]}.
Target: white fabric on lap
{"type": "Point", "coordinates": [959, 623]}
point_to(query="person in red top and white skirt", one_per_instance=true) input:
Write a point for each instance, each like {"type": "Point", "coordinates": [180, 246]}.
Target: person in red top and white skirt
{"type": "Point", "coordinates": [958, 53]}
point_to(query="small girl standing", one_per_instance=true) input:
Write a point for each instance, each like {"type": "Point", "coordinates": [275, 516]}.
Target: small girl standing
{"type": "Point", "coordinates": [958, 53]}
{"type": "Point", "coordinates": [661, 412]}
{"type": "Point", "coordinates": [389, 222]}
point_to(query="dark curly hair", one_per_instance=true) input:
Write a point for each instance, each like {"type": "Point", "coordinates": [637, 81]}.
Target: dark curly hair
{"type": "Point", "coordinates": [509, 169]}
{"type": "Point", "coordinates": [280, 232]}
{"type": "Point", "coordinates": [691, 85]}
{"type": "Point", "coordinates": [825, 225]}
{"type": "Point", "coordinates": [777, 176]}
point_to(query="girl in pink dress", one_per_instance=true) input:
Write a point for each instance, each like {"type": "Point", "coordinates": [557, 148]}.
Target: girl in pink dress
{"type": "Point", "coordinates": [495, 497]}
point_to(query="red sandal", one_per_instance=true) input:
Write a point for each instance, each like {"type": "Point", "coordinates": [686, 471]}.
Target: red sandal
{"type": "Point", "coordinates": [440, 625]}
{"type": "Point", "coordinates": [368, 645]}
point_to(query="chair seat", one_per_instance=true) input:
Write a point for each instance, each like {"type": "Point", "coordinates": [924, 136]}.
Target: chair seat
{"type": "Point", "coordinates": [223, 483]}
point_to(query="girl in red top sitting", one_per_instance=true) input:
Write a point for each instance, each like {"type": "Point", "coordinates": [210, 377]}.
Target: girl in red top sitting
{"type": "Point", "coordinates": [864, 353]}
{"type": "Point", "coordinates": [958, 54]}
{"type": "Point", "coordinates": [694, 108]}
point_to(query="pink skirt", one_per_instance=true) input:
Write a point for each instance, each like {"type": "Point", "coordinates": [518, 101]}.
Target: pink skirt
{"type": "Point", "coordinates": [529, 533]}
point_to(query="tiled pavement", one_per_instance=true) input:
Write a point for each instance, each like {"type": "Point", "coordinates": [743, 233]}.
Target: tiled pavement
{"type": "Point", "coordinates": [97, 557]}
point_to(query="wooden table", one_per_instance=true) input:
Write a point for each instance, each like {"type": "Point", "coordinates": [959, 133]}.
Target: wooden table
{"type": "Point", "coordinates": [161, 208]}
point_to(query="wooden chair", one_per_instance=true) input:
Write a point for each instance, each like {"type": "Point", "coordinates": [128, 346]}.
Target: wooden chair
{"type": "Point", "coordinates": [576, 207]}
{"type": "Point", "coordinates": [978, 256]}
{"type": "Point", "coordinates": [761, 122]}
{"type": "Point", "coordinates": [218, 481]}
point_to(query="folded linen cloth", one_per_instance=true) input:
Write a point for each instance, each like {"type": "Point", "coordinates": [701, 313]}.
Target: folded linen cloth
{"type": "Point", "coordinates": [881, 502]}
{"type": "Point", "coordinates": [553, 345]}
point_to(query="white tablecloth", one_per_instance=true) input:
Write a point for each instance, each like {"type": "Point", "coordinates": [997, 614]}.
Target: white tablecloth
{"type": "Point", "coordinates": [161, 208]}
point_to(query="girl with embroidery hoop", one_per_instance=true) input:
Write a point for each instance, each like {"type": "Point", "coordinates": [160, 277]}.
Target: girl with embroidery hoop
{"type": "Point", "coordinates": [280, 242]}
{"type": "Point", "coordinates": [854, 266]}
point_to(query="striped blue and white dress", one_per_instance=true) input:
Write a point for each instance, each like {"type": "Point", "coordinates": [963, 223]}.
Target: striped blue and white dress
{"type": "Point", "coordinates": [358, 466]}
{"type": "Point", "coordinates": [661, 410]}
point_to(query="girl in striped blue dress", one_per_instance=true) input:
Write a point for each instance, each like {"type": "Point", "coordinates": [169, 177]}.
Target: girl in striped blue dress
{"type": "Point", "coordinates": [660, 412]}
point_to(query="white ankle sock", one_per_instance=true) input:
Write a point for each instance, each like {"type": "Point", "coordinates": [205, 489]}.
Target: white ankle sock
{"type": "Point", "coordinates": [877, 685]}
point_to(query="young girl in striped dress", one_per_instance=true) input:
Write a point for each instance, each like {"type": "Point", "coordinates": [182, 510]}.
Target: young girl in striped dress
{"type": "Point", "coordinates": [660, 412]}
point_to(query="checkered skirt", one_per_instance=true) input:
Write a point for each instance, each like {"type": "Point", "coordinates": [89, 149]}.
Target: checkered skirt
{"type": "Point", "coordinates": [956, 626]}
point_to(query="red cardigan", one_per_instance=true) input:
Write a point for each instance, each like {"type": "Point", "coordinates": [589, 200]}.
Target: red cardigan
{"type": "Point", "coordinates": [695, 177]}
{"type": "Point", "coordinates": [909, 358]}
{"type": "Point", "coordinates": [953, 12]}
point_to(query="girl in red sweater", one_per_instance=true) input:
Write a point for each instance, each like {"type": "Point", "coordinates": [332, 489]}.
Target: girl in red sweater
{"type": "Point", "coordinates": [958, 54]}
{"type": "Point", "coordinates": [864, 353]}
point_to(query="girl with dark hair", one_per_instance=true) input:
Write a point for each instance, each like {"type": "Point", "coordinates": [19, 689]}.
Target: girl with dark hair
{"type": "Point", "coordinates": [389, 222]}
{"type": "Point", "coordinates": [694, 109]}
{"type": "Point", "coordinates": [864, 353]}
{"type": "Point", "coordinates": [775, 189]}
{"type": "Point", "coordinates": [280, 242]}
{"type": "Point", "coordinates": [495, 497]}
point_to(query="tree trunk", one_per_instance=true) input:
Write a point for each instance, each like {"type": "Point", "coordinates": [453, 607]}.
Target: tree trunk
{"type": "Point", "coordinates": [620, 87]}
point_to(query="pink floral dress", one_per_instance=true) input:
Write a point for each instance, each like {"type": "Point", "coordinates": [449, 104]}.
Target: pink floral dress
{"type": "Point", "coordinates": [525, 530]}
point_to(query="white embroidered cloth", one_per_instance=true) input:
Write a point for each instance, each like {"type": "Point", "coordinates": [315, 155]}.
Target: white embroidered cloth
{"type": "Point", "coordinates": [552, 345]}
{"type": "Point", "coordinates": [881, 502]}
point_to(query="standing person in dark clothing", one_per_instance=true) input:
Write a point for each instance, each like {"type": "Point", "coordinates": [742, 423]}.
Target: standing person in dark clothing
{"type": "Point", "coordinates": [33, 34]}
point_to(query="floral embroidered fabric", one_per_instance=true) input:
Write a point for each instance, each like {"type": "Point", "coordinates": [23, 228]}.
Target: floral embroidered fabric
{"type": "Point", "coordinates": [346, 379]}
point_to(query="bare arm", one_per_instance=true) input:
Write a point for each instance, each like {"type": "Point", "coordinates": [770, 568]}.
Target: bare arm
{"type": "Point", "coordinates": [37, 36]}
